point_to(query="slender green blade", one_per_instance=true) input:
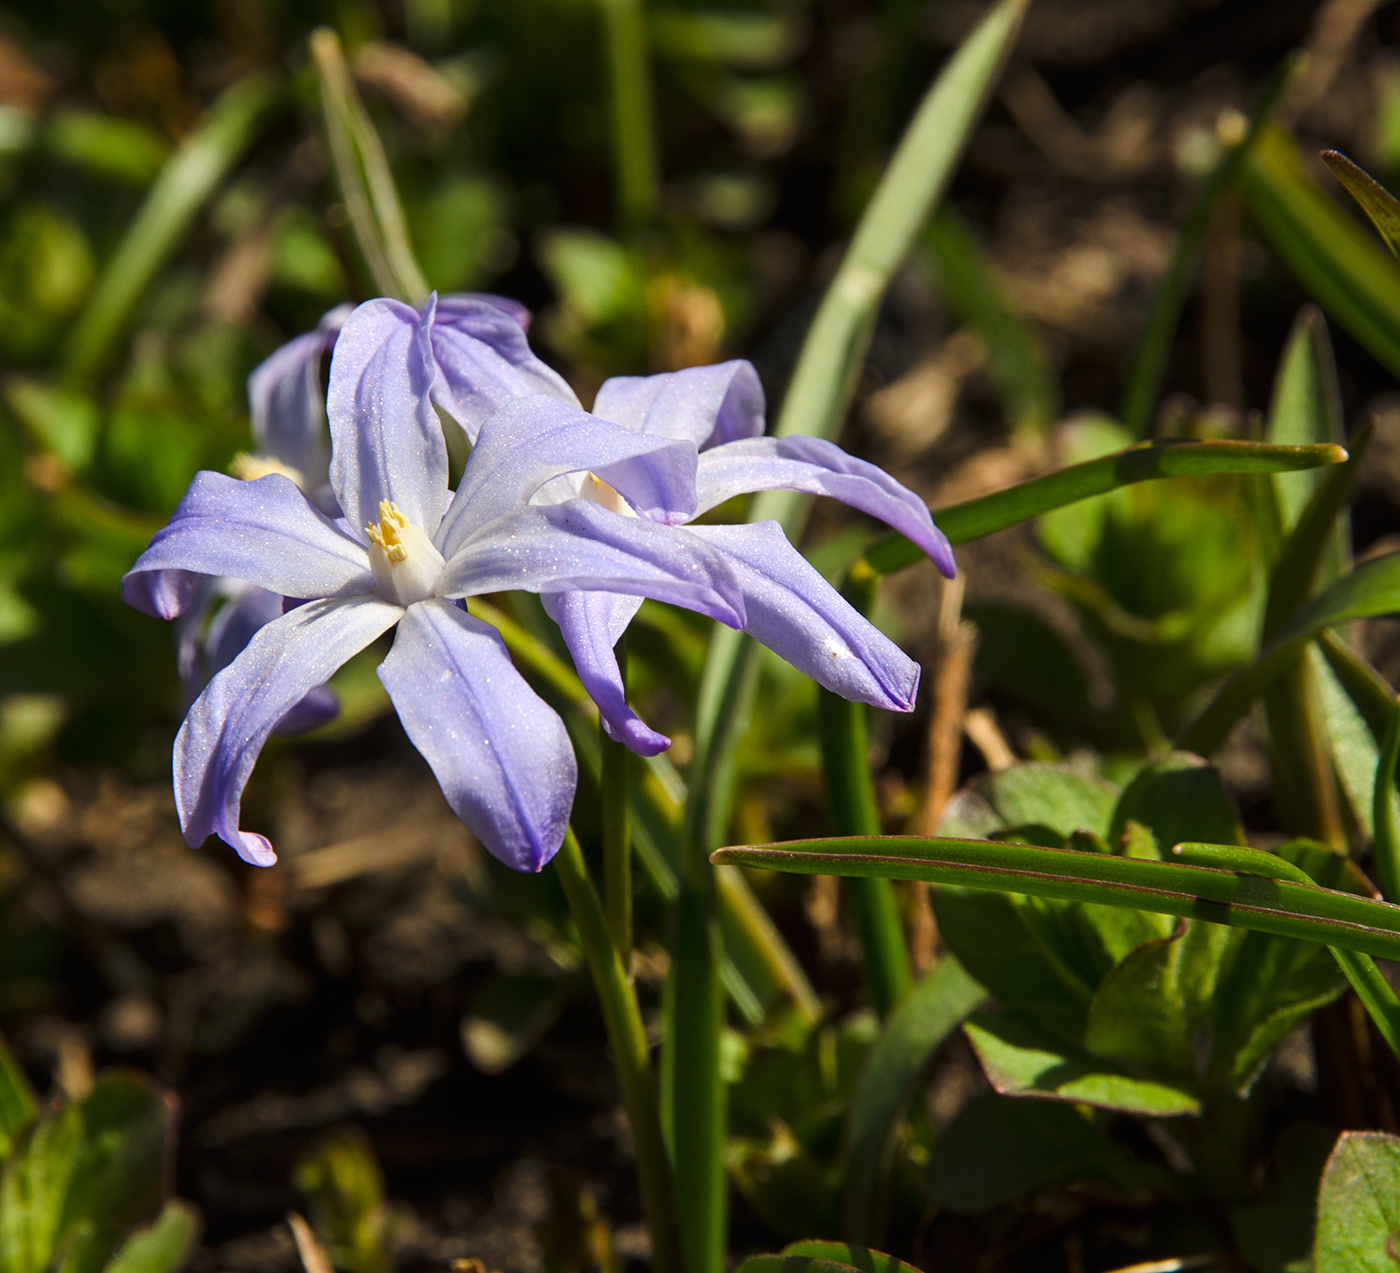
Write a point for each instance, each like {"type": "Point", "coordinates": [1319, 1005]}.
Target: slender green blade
{"type": "Point", "coordinates": [1355, 280]}
{"type": "Point", "coordinates": [1383, 809]}
{"type": "Point", "coordinates": [187, 180]}
{"type": "Point", "coordinates": [17, 1104]}
{"type": "Point", "coordinates": [1373, 588]}
{"type": "Point", "coordinates": [914, 1032]}
{"type": "Point", "coordinates": [1376, 201]}
{"type": "Point", "coordinates": [1144, 462]}
{"type": "Point", "coordinates": [857, 1257]}
{"type": "Point", "coordinates": [1282, 907]}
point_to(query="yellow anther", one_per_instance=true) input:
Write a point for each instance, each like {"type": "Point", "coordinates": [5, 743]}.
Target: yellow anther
{"type": "Point", "coordinates": [385, 532]}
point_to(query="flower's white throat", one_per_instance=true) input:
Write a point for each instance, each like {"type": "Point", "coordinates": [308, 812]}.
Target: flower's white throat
{"type": "Point", "coordinates": [405, 565]}
{"type": "Point", "coordinates": [597, 490]}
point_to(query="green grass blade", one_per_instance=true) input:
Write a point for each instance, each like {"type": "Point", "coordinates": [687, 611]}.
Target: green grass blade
{"type": "Point", "coordinates": [853, 810]}
{"type": "Point", "coordinates": [189, 177]}
{"type": "Point", "coordinates": [1383, 810]}
{"type": "Point", "coordinates": [363, 175]}
{"type": "Point", "coordinates": [1376, 201]}
{"type": "Point", "coordinates": [972, 292]}
{"type": "Point", "coordinates": [1373, 588]}
{"type": "Point", "coordinates": [1350, 275]}
{"type": "Point", "coordinates": [1145, 381]}
{"type": "Point", "coordinates": [634, 146]}
{"type": "Point", "coordinates": [1147, 461]}
{"type": "Point", "coordinates": [940, 1002]}
{"type": "Point", "coordinates": [1282, 907]}
{"type": "Point", "coordinates": [815, 405]}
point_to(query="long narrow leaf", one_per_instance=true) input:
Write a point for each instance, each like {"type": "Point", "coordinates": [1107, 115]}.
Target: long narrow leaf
{"type": "Point", "coordinates": [1282, 907]}
{"type": "Point", "coordinates": [1373, 588]}
{"type": "Point", "coordinates": [1350, 275]}
{"type": "Point", "coordinates": [187, 180]}
{"type": "Point", "coordinates": [916, 1029]}
{"type": "Point", "coordinates": [1376, 201]}
{"type": "Point", "coordinates": [1142, 463]}
{"type": "Point", "coordinates": [1383, 810]}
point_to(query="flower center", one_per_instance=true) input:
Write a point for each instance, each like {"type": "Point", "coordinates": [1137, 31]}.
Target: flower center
{"type": "Point", "coordinates": [600, 492]}
{"type": "Point", "coordinates": [405, 565]}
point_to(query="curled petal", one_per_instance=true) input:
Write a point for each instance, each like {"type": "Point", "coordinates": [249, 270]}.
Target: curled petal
{"type": "Point", "coordinates": [287, 405]}
{"type": "Point", "coordinates": [219, 742]}
{"type": "Point", "coordinates": [589, 622]}
{"type": "Point", "coordinates": [705, 405]}
{"type": "Point", "coordinates": [386, 439]}
{"type": "Point", "coordinates": [264, 532]}
{"type": "Point", "coordinates": [532, 440]}
{"type": "Point", "coordinates": [820, 468]}
{"type": "Point", "coordinates": [560, 547]}
{"type": "Point", "coordinates": [500, 753]}
{"type": "Point", "coordinates": [798, 615]}
{"type": "Point", "coordinates": [483, 360]}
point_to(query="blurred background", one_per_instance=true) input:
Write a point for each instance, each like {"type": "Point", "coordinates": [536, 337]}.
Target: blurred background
{"type": "Point", "coordinates": [387, 974]}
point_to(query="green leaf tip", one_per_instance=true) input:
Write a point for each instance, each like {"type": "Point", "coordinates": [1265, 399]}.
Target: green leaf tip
{"type": "Point", "coordinates": [1376, 201]}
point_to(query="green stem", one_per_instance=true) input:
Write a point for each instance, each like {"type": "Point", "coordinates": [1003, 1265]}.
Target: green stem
{"type": "Point", "coordinates": [187, 180]}
{"type": "Point", "coordinates": [634, 148]}
{"type": "Point", "coordinates": [853, 810]}
{"type": "Point", "coordinates": [617, 830]}
{"type": "Point", "coordinates": [627, 1039]}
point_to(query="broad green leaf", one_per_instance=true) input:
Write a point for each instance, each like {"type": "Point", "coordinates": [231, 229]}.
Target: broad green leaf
{"type": "Point", "coordinates": [1373, 588]}
{"type": "Point", "coordinates": [1180, 797]}
{"type": "Point", "coordinates": [186, 181]}
{"type": "Point", "coordinates": [17, 1104]}
{"type": "Point", "coordinates": [1358, 1206]}
{"type": "Point", "coordinates": [1376, 201]}
{"type": "Point", "coordinates": [910, 1038]}
{"type": "Point", "coordinates": [1020, 1059]}
{"type": "Point", "coordinates": [1170, 888]}
{"type": "Point", "coordinates": [791, 1264]}
{"type": "Point", "coordinates": [1053, 796]}
{"type": "Point", "coordinates": [1354, 751]}
{"type": "Point", "coordinates": [1355, 280]}
{"type": "Point", "coordinates": [998, 1149]}
{"type": "Point", "coordinates": [1142, 463]}
{"type": "Point", "coordinates": [970, 289]}
{"type": "Point", "coordinates": [999, 943]}
{"type": "Point", "coordinates": [1139, 1016]}
{"type": "Point", "coordinates": [857, 1257]}
{"type": "Point", "coordinates": [163, 1246]}
{"type": "Point", "coordinates": [79, 1179]}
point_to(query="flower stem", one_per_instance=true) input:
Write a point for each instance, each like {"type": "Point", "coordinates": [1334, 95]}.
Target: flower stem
{"type": "Point", "coordinates": [853, 810]}
{"type": "Point", "coordinates": [617, 831]}
{"type": "Point", "coordinates": [622, 1018]}
{"type": "Point", "coordinates": [634, 149]}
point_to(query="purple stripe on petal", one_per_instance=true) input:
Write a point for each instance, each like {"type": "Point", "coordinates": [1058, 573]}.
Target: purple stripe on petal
{"type": "Point", "coordinates": [798, 615]}
{"type": "Point", "coordinates": [587, 621]}
{"type": "Point", "coordinates": [705, 405]}
{"type": "Point", "coordinates": [559, 547]}
{"type": "Point", "coordinates": [264, 532]}
{"type": "Point", "coordinates": [483, 360]}
{"type": "Point", "coordinates": [532, 440]}
{"type": "Point", "coordinates": [219, 742]}
{"type": "Point", "coordinates": [386, 439]}
{"type": "Point", "coordinates": [500, 753]}
{"type": "Point", "coordinates": [820, 468]}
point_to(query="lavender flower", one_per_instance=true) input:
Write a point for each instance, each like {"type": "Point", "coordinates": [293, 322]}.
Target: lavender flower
{"type": "Point", "coordinates": [482, 332]}
{"type": "Point", "coordinates": [791, 609]}
{"type": "Point", "coordinates": [499, 752]}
